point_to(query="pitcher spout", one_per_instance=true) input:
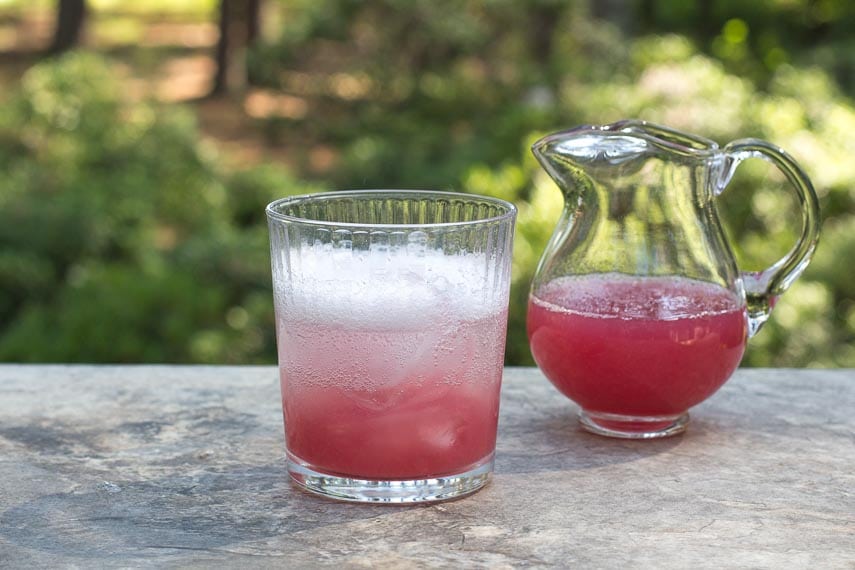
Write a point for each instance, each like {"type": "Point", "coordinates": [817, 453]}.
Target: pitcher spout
{"type": "Point", "coordinates": [566, 153]}
{"type": "Point", "coordinates": [625, 146]}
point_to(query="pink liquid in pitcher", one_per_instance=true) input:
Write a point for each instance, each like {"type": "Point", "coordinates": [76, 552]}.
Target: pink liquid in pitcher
{"type": "Point", "coordinates": [636, 346]}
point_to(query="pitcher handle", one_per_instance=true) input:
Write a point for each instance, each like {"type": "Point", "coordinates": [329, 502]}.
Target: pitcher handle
{"type": "Point", "coordinates": [762, 288]}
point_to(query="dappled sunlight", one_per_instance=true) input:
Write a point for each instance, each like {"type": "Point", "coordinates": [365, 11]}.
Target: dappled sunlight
{"type": "Point", "coordinates": [29, 32]}
{"type": "Point", "coordinates": [322, 158]}
{"type": "Point", "coordinates": [185, 78]}
{"type": "Point", "coordinates": [695, 95]}
{"type": "Point", "coordinates": [187, 35]}
{"type": "Point", "coordinates": [669, 81]}
{"type": "Point", "coordinates": [341, 85]}
{"type": "Point", "coordinates": [261, 104]}
{"type": "Point", "coordinates": [350, 86]}
{"type": "Point", "coordinates": [304, 83]}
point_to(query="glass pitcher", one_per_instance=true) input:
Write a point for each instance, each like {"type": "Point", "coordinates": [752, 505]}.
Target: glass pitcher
{"type": "Point", "coordinates": [638, 311]}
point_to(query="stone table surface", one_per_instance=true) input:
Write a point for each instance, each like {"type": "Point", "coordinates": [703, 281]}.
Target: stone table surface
{"type": "Point", "coordinates": [169, 466]}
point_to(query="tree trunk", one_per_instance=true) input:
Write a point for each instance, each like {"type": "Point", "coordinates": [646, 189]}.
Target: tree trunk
{"type": "Point", "coordinates": [70, 17]}
{"type": "Point", "coordinates": [647, 16]}
{"type": "Point", "coordinates": [618, 12]}
{"type": "Point", "coordinates": [708, 26]}
{"type": "Point", "coordinates": [239, 27]}
{"type": "Point", "coordinates": [544, 19]}
{"type": "Point", "coordinates": [253, 23]}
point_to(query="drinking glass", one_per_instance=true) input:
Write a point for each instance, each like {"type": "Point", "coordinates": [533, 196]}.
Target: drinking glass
{"type": "Point", "coordinates": [391, 312]}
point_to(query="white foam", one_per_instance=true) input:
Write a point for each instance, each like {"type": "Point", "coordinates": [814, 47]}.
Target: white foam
{"type": "Point", "coordinates": [388, 287]}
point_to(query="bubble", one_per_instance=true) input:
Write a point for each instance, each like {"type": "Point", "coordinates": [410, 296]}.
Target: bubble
{"type": "Point", "coordinates": [614, 295]}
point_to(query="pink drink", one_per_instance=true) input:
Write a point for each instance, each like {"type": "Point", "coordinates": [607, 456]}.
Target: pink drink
{"type": "Point", "coordinates": [636, 346]}
{"type": "Point", "coordinates": [401, 383]}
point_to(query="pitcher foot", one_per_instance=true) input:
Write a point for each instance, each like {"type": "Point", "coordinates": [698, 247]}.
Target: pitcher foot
{"type": "Point", "coordinates": [633, 427]}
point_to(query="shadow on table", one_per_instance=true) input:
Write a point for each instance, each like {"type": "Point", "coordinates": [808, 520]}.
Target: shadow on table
{"type": "Point", "coordinates": [554, 441]}
{"type": "Point", "coordinates": [207, 511]}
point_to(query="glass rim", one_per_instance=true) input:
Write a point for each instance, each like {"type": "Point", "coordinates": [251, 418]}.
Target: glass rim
{"type": "Point", "coordinates": [660, 136]}
{"type": "Point", "coordinates": [273, 214]}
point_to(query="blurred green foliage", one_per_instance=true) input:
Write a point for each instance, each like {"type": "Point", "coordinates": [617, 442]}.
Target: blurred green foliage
{"type": "Point", "coordinates": [123, 239]}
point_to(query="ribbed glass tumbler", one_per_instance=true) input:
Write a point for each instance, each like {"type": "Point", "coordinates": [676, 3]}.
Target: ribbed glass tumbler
{"type": "Point", "coordinates": [391, 312]}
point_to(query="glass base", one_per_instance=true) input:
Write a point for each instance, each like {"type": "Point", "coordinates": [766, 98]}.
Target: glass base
{"type": "Point", "coordinates": [633, 427]}
{"type": "Point", "coordinates": [395, 492]}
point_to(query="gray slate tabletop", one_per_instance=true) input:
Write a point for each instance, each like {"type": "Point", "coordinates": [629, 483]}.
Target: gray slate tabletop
{"type": "Point", "coordinates": [168, 466]}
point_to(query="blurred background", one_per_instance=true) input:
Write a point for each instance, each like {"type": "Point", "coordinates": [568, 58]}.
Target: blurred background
{"type": "Point", "coordinates": [140, 142]}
